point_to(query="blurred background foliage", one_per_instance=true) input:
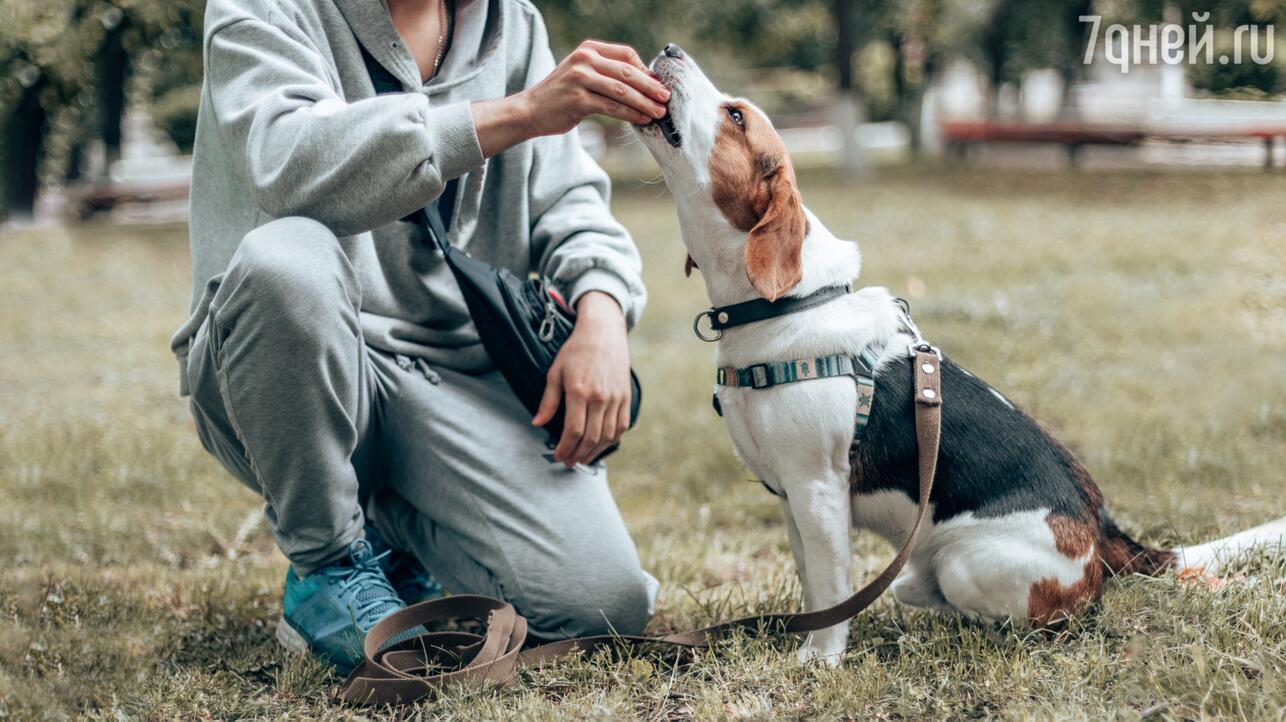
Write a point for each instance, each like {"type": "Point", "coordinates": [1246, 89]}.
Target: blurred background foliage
{"type": "Point", "coordinates": [70, 68]}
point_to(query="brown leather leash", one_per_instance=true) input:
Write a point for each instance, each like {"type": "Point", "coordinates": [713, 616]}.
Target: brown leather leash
{"type": "Point", "coordinates": [426, 664]}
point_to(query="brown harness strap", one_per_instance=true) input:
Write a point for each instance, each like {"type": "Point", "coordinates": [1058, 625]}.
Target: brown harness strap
{"type": "Point", "coordinates": [425, 664]}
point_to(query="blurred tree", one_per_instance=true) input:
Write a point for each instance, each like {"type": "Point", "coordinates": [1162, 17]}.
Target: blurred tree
{"type": "Point", "coordinates": [644, 25]}
{"type": "Point", "coordinates": [771, 33]}
{"type": "Point", "coordinates": [40, 67]}
{"type": "Point", "coordinates": [1025, 35]}
{"type": "Point", "coordinates": [65, 70]}
{"type": "Point", "coordinates": [169, 70]}
{"type": "Point", "coordinates": [24, 135]}
{"type": "Point", "coordinates": [1245, 80]}
{"type": "Point", "coordinates": [112, 69]}
{"type": "Point", "coordinates": [69, 68]}
{"type": "Point", "coordinates": [848, 107]}
{"type": "Point", "coordinates": [919, 35]}
{"type": "Point", "coordinates": [764, 33]}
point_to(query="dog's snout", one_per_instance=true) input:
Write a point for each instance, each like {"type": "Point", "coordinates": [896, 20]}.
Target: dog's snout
{"type": "Point", "coordinates": [673, 51]}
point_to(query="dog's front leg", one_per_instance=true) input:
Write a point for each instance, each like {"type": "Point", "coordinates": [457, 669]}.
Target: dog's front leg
{"type": "Point", "coordinates": [821, 513]}
{"type": "Point", "coordinates": [797, 551]}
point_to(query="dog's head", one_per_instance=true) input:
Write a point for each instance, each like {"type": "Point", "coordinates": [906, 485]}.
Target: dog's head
{"type": "Point", "coordinates": [729, 172]}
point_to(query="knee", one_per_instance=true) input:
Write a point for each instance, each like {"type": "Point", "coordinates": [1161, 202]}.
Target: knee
{"type": "Point", "coordinates": [290, 258]}
{"type": "Point", "coordinates": [294, 267]}
{"type": "Point", "coordinates": [618, 602]}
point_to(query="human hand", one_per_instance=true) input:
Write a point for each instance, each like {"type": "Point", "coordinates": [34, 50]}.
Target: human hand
{"type": "Point", "coordinates": [591, 377]}
{"type": "Point", "coordinates": [597, 78]}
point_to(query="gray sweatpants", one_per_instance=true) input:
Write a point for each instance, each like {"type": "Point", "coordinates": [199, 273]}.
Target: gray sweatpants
{"type": "Point", "coordinates": [331, 432]}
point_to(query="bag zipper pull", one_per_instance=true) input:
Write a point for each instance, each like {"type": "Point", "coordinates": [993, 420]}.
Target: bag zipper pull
{"type": "Point", "coordinates": [546, 331]}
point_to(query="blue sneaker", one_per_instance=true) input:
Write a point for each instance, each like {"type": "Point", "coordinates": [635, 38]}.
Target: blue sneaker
{"type": "Point", "coordinates": [329, 612]}
{"type": "Point", "coordinates": [409, 578]}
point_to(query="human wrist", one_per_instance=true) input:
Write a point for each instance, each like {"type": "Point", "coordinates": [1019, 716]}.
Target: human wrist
{"type": "Point", "coordinates": [503, 123]}
{"type": "Point", "coordinates": [522, 111]}
{"type": "Point", "coordinates": [599, 306]}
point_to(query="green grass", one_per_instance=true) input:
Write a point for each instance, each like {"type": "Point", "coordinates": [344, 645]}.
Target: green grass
{"type": "Point", "coordinates": [1142, 317]}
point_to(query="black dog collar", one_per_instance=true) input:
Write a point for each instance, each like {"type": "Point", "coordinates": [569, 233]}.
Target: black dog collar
{"type": "Point", "coordinates": [740, 314]}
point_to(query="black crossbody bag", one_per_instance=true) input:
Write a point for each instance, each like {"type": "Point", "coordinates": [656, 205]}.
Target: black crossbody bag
{"type": "Point", "coordinates": [522, 324]}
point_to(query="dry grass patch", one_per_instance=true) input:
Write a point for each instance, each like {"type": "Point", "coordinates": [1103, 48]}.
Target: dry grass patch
{"type": "Point", "coordinates": [1141, 316]}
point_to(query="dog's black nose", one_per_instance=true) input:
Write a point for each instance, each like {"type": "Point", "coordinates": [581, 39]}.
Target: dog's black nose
{"type": "Point", "coordinates": [673, 51]}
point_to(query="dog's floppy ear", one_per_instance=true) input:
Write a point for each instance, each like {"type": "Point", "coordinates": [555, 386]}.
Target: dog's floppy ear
{"type": "Point", "coordinates": [688, 265]}
{"type": "Point", "coordinates": [775, 245]}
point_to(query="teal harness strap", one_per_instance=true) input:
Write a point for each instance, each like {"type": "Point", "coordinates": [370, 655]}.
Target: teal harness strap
{"type": "Point", "coordinates": [860, 367]}
{"type": "Point", "coordinates": [766, 375]}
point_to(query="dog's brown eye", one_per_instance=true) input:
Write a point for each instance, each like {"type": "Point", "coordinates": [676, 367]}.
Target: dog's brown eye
{"type": "Point", "coordinates": [736, 116]}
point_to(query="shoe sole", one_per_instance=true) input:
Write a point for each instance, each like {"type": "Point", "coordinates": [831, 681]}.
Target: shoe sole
{"type": "Point", "coordinates": [290, 638]}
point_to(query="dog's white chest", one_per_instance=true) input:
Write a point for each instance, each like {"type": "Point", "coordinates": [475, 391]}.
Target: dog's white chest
{"type": "Point", "coordinates": [785, 431]}
{"type": "Point", "coordinates": [803, 427]}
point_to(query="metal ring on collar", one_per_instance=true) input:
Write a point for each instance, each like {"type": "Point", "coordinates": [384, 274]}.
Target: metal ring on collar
{"type": "Point", "coordinates": [696, 327]}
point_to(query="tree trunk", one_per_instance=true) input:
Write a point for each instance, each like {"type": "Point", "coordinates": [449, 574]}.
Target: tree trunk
{"type": "Point", "coordinates": [25, 138]}
{"type": "Point", "coordinates": [995, 48]}
{"type": "Point", "coordinates": [848, 110]}
{"type": "Point", "coordinates": [909, 97]}
{"type": "Point", "coordinates": [1074, 63]}
{"type": "Point", "coordinates": [844, 45]}
{"type": "Point", "coordinates": [113, 69]}
{"type": "Point", "coordinates": [75, 161]}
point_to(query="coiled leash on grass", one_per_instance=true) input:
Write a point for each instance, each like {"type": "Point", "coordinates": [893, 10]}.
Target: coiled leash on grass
{"type": "Point", "coordinates": [427, 664]}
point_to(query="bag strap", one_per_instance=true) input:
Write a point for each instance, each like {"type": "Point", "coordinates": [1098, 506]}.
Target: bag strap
{"type": "Point", "coordinates": [426, 664]}
{"type": "Point", "coordinates": [437, 229]}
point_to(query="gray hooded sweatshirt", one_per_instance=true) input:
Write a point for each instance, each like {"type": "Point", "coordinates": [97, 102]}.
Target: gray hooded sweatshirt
{"type": "Point", "coordinates": [290, 125]}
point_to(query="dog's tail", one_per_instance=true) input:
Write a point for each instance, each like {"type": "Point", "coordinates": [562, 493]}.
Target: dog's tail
{"type": "Point", "coordinates": [1123, 555]}
{"type": "Point", "coordinates": [1212, 556]}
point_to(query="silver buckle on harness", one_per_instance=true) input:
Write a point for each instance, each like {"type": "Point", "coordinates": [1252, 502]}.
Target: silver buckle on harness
{"type": "Point", "coordinates": [918, 344]}
{"type": "Point", "coordinates": [759, 376]}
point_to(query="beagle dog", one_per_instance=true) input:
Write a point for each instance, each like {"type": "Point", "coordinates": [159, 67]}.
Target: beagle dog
{"type": "Point", "coordinates": [1018, 529]}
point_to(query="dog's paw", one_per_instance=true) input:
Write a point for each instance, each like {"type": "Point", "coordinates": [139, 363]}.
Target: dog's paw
{"type": "Point", "coordinates": [810, 654]}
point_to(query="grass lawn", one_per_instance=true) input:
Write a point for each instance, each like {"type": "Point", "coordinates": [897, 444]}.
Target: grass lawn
{"type": "Point", "coordinates": [1142, 317]}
